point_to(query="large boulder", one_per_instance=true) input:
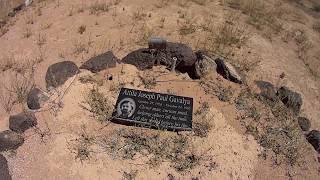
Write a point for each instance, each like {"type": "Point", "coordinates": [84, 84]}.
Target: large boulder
{"type": "Point", "coordinates": [100, 62]}
{"type": "Point", "coordinates": [228, 71]}
{"type": "Point", "coordinates": [36, 98]}
{"type": "Point", "coordinates": [204, 65]}
{"type": "Point", "coordinates": [314, 139]}
{"type": "Point", "coordinates": [304, 123]}
{"type": "Point", "coordinates": [23, 121]}
{"type": "Point", "coordinates": [141, 58]}
{"type": "Point", "coordinates": [10, 140]}
{"type": "Point", "coordinates": [267, 90]}
{"type": "Point", "coordinates": [57, 74]}
{"type": "Point", "coordinates": [4, 170]}
{"type": "Point", "coordinates": [290, 98]}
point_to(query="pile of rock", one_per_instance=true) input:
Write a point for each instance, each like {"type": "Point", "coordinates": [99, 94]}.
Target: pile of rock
{"type": "Point", "coordinates": [293, 101]}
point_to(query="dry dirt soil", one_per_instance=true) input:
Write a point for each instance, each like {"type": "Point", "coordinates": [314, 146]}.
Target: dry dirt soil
{"type": "Point", "coordinates": [281, 38]}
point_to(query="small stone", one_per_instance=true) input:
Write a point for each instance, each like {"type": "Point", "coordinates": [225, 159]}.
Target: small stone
{"type": "Point", "coordinates": [10, 140]}
{"type": "Point", "coordinates": [291, 99]}
{"type": "Point", "coordinates": [4, 169]}
{"type": "Point", "coordinates": [314, 139]}
{"type": "Point", "coordinates": [36, 98]}
{"type": "Point", "coordinates": [228, 71]}
{"type": "Point", "coordinates": [304, 123]}
{"type": "Point", "coordinates": [21, 122]}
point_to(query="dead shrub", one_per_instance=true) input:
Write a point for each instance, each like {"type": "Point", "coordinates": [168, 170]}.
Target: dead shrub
{"type": "Point", "coordinates": [316, 26]}
{"type": "Point", "coordinates": [82, 29]}
{"type": "Point", "coordinates": [128, 144]}
{"type": "Point", "coordinates": [99, 105]}
{"type": "Point", "coordinates": [99, 7]}
{"type": "Point", "coordinates": [81, 146]}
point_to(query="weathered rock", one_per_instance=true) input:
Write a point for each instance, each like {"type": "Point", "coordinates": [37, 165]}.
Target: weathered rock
{"type": "Point", "coordinates": [204, 66]}
{"type": "Point", "coordinates": [10, 140]}
{"type": "Point", "coordinates": [290, 98]}
{"type": "Point", "coordinates": [141, 58]}
{"type": "Point", "coordinates": [57, 74]}
{"type": "Point", "coordinates": [228, 71]}
{"type": "Point", "coordinates": [186, 57]}
{"type": "Point", "coordinates": [100, 62]}
{"type": "Point", "coordinates": [304, 123]}
{"type": "Point", "coordinates": [267, 90]}
{"type": "Point", "coordinates": [4, 170]}
{"type": "Point", "coordinates": [23, 121]}
{"type": "Point", "coordinates": [36, 98]}
{"type": "Point", "coordinates": [314, 139]}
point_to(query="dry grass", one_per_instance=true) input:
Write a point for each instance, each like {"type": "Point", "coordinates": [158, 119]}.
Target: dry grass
{"type": "Point", "coordinates": [200, 2]}
{"type": "Point", "coordinates": [80, 47]}
{"type": "Point", "coordinates": [202, 125]}
{"type": "Point", "coordinates": [187, 27]}
{"type": "Point", "coordinates": [99, 105]}
{"type": "Point", "coordinates": [148, 79]}
{"type": "Point", "coordinates": [158, 147]}
{"type": "Point", "coordinates": [81, 146]}
{"type": "Point", "coordinates": [82, 29]}
{"type": "Point", "coordinates": [7, 62]}
{"type": "Point", "coordinates": [223, 39]}
{"type": "Point", "coordinates": [144, 34]}
{"type": "Point", "coordinates": [316, 26]}
{"type": "Point", "coordinates": [99, 7]}
{"type": "Point", "coordinates": [274, 127]}
{"type": "Point", "coordinates": [261, 15]}
{"type": "Point", "coordinates": [20, 86]}
{"type": "Point", "coordinates": [27, 32]}
{"type": "Point", "coordinates": [303, 43]}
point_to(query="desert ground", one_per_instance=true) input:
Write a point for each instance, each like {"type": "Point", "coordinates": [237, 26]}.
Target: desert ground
{"type": "Point", "coordinates": [237, 133]}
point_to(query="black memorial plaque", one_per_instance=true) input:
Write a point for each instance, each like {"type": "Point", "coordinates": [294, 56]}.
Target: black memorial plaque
{"type": "Point", "coordinates": [156, 110]}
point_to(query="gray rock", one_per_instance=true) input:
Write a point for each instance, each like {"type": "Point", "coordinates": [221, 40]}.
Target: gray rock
{"type": "Point", "coordinates": [23, 121]}
{"type": "Point", "coordinates": [228, 71]}
{"type": "Point", "coordinates": [304, 123]}
{"type": "Point", "coordinates": [186, 57]}
{"type": "Point", "coordinates": [100, 62]}
{"type": "Point", "coordinates": [204, 66]}
{"type": "Point", "coordinates": [290, 98]}
{"type": "Point", "coordinates": [267, 90]}
{"type": "Point", "coordinates": [4, 170]}
{"type": "Point", "coordinates": [314, 139]}
{"type": "Point", "coordinates": [10, 140]}
{"type": "Point", "coordinates": [57, 74]}
{"type": "Point", "coordinates": [36, 98]}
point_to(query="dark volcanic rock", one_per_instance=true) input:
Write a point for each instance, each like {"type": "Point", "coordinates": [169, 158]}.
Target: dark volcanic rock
{"type": "Point", "coordinates": [144, 59]}
{"type": "Point", "coordinates": [314, 139]}
{"type": "Point", "coordinates": [101, 62]}
{"type": "Point", "coordinates": [184, 54]}
{"type": "Point", "coordinates": [36, 98]}
{"type": "Point", "coordinates": [21, 122]}
{"type": "Point", "coordinates": [57, 74]}
{"type": "Point", "coordinates": [267, 90]}
{"type": "Point", "coordinates": [4, 170]}
{"type": "Point", "coordinates": [10, 140]}
{"type": "Point", "coordinates": [141, 58]}
{"type": "Point", "coordinates": [228, 71]}
{"type": "Point", "coordinates": [290, 98]}
{"type": "Point", "coordinates": [304, 123]}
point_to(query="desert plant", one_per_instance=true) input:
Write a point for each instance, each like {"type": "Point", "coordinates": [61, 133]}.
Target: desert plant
{"type": "Point", "coordinates": [316, 26]}
{"type": "Point", "coordinates": [81, 146]}
{"type": "Point", "coordinates": [99, 7]}
{"type": "Point", "coordinates": [99, 105]}
{"type": "Point", "coordinates": [20, 86]}
{"type": "Point", "coordinates": [8, 62]}
{"type": "Point", "coordinates": [82, 29]}
{"type": "Point", "coordinates": [6, 99]}
{"type": "Point", "coordinates": [27, 32]}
